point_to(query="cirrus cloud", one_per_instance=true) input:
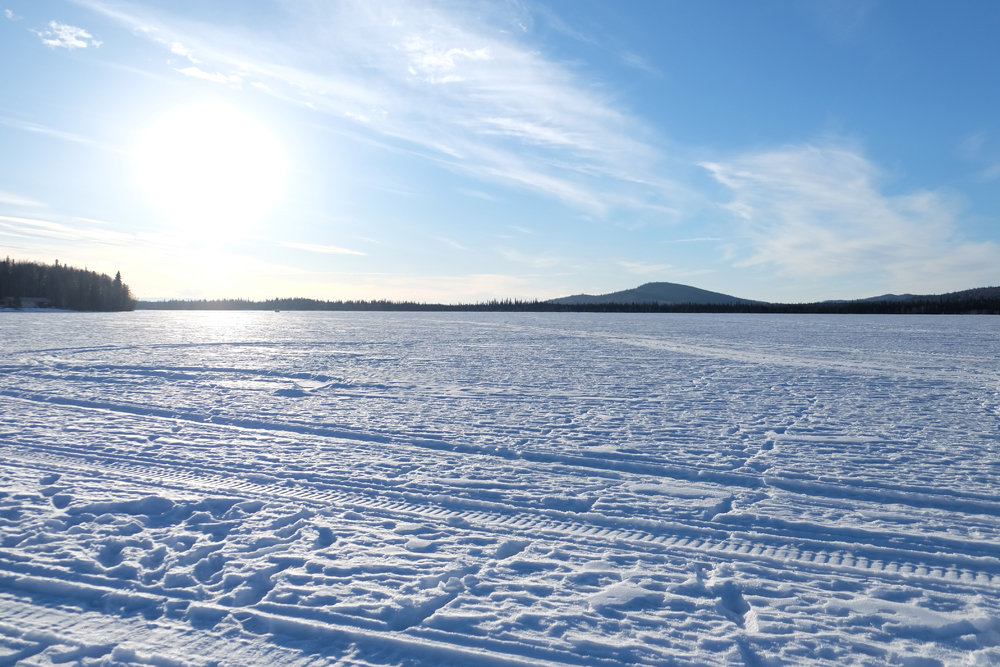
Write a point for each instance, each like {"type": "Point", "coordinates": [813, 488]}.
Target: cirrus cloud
{"type": "Point", "coordinates": [451, 84]}
{"type": "Point", "coordinates": [817, 212]}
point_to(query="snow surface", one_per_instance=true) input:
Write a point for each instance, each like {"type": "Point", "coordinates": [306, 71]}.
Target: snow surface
{"type": "Point", "coordinates": [498, 489]}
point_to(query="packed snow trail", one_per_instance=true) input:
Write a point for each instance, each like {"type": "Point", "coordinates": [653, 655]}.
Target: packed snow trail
{"type": "Point", "coordinates": [504, 489]}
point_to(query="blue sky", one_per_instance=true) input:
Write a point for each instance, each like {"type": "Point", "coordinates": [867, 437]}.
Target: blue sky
{"type": "Point", "coordinates": [780, 150]}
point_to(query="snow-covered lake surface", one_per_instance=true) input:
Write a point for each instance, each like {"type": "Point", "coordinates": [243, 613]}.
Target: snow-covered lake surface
{"type": "Point", "coordinates": [499, 489]}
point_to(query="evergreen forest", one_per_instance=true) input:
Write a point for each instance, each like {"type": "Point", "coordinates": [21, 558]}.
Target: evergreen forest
{"type": "Point", "coordinates": [24, 284]}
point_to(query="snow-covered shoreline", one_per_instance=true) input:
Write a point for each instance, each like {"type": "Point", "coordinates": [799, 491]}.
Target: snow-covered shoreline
{"type": "Point", "coordinates": [423, 489]}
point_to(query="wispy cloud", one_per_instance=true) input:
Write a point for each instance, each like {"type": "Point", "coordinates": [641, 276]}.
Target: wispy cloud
{"type": "Point", "coordinates": [537, 261]}
{"type": "Point", "coordinates": [638, 62]}
{"type": "Point", "coordinates": [555, 22]}
{"type": "Point", "coordinates": [971, 147]}
{"type": "Point", "coordinates": [325, 249]}
{"type": "Point", "coordinates": [45, 229]}
{"type": "Point", "coordinates": [217, 77]}
{"type": "Point", "coordinates": [41, 129]}
{"type": "Point", "coordinates": [179, 49]}
{"type": "Point", "coordinates": [449, 82]}
{"type": "Point", "coordinates": [9, 14]}
{"type": "Point", "coordinates": [453, 244]}
{"type": "Point", "coordinates": [642, 268]}
{"type": "Point", "coordinates": [975, 148]}
{"type": "Point", "coordinates": [60, 35]}
{"type": "Point", "coordinates": [437, 65]}
{"type": "Point", "coordinates": [815, 212]}
{"type": "Point", "coordinates": [991, 173]}
{"type": "Point", "coordinates": [15, 200]}
{"type": "Point", "coordinates": [697, 239]}
{"type": "Point", "coordinates": [478, 194]}
{"type": "Point", "coordinates": [844, 19]}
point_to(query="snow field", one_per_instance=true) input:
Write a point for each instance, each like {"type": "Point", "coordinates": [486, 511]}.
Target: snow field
{"type": "Point", "coordinates": [424, 489]}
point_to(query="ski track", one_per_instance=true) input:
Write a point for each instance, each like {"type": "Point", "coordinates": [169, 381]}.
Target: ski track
{"type": "Point", "coordinates": [504, 489]}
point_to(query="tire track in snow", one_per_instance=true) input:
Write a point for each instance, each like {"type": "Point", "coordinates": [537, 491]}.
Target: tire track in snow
{"type": "Point", "coordinates": [198, 647]}
{"type": "Point", "coordinates": [705, 538]}
{"type": "Point", "coordinates": [139, 466]}
{"type": "Point", "coordinates": [916, 497]}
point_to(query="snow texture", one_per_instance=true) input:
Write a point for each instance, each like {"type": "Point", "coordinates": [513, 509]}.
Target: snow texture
{"type": "Point", "coordinates": [193, 489]}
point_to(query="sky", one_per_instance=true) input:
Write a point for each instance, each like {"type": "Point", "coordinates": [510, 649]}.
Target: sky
{"type": "Point", "coordinates": [782, 150]}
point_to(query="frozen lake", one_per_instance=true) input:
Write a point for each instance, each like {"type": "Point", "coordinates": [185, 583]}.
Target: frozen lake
{"type": "Point", "coordinates": [499, 489]}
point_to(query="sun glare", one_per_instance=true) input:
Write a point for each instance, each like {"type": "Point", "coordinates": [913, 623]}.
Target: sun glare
{"type": "Point", "coordinates": [210, 169]}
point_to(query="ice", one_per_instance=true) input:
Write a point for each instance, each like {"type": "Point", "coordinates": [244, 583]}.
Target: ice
{"type": "Point", "coordinates": [506, 489]}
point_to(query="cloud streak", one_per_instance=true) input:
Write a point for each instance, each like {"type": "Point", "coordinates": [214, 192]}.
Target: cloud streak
{"type": "Point", "coordinates": [42, 129]}
{"type": "Point", "coordinates": [217, 77]}
{"type": "Point", "coordinates": [16, 200]}
{"type": "Point", "coordinates": [453, 244]}
{"type": "Point", "coordinates": [323, 249]}
{"type": "Point", "coordinates": [698, 239]}
{"type": "Point", "coordinates": [32, 228]}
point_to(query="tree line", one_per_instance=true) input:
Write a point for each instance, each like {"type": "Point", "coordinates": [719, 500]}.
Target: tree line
{"type": "Point", "coordinates": [60, 286]}
{"type": "Point", "coordinates": [972, 305]}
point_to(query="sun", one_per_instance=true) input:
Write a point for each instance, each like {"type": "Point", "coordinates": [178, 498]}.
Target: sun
{"type": "Point", "coordinates": [211, 170]}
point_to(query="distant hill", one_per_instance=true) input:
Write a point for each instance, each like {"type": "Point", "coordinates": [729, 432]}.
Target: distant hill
{"type": "Point", "coordinates": [883, 297]}
{"type": "Point", "coordinates": [964, 295]}
{"type": "Point", "coordinates": [892, 297]}
{"type": "Point", "coordinates": [967, 294]}
{"type": "Point", "coordinates": [660, 293]}
{"type": "Point", "coordinates": [675, 294]}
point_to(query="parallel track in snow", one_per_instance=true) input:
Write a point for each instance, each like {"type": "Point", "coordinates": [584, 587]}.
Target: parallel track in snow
{"type": "Point", "coordinates": [952, 500]}
{"type": "Point", "coordinates": [700, 542]}
{"type": "Point", "coordinates": [884, 555]}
